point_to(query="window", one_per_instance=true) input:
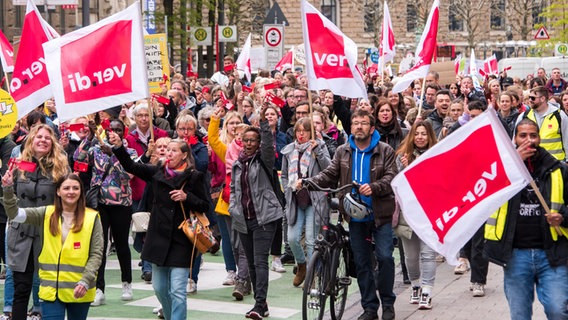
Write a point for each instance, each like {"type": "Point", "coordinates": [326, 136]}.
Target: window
{"type": "Point", "coordinates": [328, 9]}
{"type": "Point", "coordinates": [537, 9]}
{"type": "Point", "coordinates": [498, 15]}
{"type": "Point", "coordinates": [20, 13]}
{"type": "Point", "coordinates": [455, 23]}
{"type": "Point", "coordinates": [411, 18]}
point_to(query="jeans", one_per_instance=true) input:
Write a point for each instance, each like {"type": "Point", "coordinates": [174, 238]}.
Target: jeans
{"type": "Point", "coordinates": [238, 252]}
{"type": "Point", "coordinates": [226, 245]}
{"type": "Point", "coordinates": [360, 236]}
{"type": "Point", "coordinates": [420, 261]}
{"type": "Point", "coordinates": [194, 271]}
{"type": "Point", "coordinates": [138, 245]}
{"type": "Point", "coordinates": [304, 218]}
{"type": "Point", "coordinates": [530, 267]}
{"type": "Point", "coordinates": [276, 247]}
{"type": "Point", "coordinates": [170, 285]}
{"type": "Point", "coordinates": [56, 310]}
{"type": "Point", "coordinates": [257, 244]}
{"type": "Point", "coordinates": [117, 219]}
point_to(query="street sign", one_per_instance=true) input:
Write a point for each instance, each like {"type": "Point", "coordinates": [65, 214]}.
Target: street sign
{"type": "Point", "coordinates": [227, 33]}
{"type": "Point", "coordinates": [200, 36]}
{"type": "Point", "coordinates": [276, 16]}
{"type": "Point", "coordinates": [273, 44]}
{"type": "Point", "coordinates": [542, 34]}
{"type": "Point", "coordinates": [561, 49]}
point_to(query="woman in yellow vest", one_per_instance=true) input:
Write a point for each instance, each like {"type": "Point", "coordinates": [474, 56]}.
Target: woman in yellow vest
{"type": "Point", "coordinates": [72, 247]}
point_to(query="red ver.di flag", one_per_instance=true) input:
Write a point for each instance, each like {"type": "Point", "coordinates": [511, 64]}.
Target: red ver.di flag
{"type": "Point", "coordinates": [331, 57]}
{"type": "Point", "coordinates": [6, 54]}
{"type": "Point", "coordinates": [30, 84]}
{"type": "Point", "coordinates": [451, 190]}
{"type": "Point", "coordinates": [98, 66]}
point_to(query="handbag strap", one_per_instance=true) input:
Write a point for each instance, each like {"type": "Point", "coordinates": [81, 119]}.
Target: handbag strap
{"type": "Point", "coordinates": [181, 203]}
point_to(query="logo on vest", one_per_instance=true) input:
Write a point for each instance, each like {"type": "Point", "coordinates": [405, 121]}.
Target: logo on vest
{"type": "Point", "coordinates": [77, 245]}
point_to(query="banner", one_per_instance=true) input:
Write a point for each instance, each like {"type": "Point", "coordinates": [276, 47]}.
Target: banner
{"type": "Point", "coordinates": [331, 57]}
{"type": "Point", "coordinates": [445, 210]}
{"type": "Point", "coordinates": [30, 83]}
{"type": "Point", "coordinates": [243, 61]}
{"type": "Point", "coordinates": [6, 54]}
{"type": "Point", "coordinates": [99, 66]}
{"type": "Point", "coordinates": [157, 63]}
{"type": "Point", "coordinates": [8, 113]}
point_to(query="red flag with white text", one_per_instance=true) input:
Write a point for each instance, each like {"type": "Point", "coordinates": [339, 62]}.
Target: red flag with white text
{"type": "Point", "coordinates": [331, 57]}
{"type": "Point", "coordinates": [30, 85]}
{"type": "Point", "coordinates": [444, 211]}
{"type": "Point", "coordinates": [287, 61]}
{"type": "Point", "coordinates": [424, 52]}
{"type": "Point", "coordinates": [6, 54]}
{"type": "Point", "coordinates": [98, 66]}
{"type": "Point", "coordinates": [386, 49]}
{"type": "Point", "coordinates": [243, 61]}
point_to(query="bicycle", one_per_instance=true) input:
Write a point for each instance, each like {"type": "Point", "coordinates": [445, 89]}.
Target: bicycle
{"type": "Point", "coordinates": [328, 269]}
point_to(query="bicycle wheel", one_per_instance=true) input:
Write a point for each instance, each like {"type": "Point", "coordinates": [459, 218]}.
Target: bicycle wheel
{"type": "Point", "coordinates": [340, 282]}
{"type": "Point", "coordinates": [313, 297]}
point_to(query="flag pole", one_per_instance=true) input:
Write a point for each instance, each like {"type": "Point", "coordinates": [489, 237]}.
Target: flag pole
{"type": "Point", "coordinates": [7, 82]}
{"type": "Point", "coordinates": [543, 203]}
{"type": "Point", "coordinates": [422, 90]}
{"type": "Point", "coordinates": [311, 114]}
{"type": "Point", "coordinates": [151, 113]}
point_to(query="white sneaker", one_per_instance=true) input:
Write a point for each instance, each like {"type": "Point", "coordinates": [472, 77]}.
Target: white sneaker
{"type": "Point", "coordinates": [99, 298]}
{"type": "Point", "coordinates": [425, 302]}
{"type": "Point", "coordinates": [277, 266]}
{"type": "Point", "coordinates": [126, 291]}
{"type": "Point", "coordinates": [230, 279]}
{"type": "Point", "coordinates": [191, 286]}
{"type": "Point", "coordinates": [415, 295]}
{"type": "Point", "coordinates": [478, 290]}
{"type": "Point", "coordinates": [156, 309]}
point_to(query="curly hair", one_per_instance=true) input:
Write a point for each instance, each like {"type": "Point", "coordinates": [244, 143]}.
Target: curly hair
{"type": "Point", "coordinates": [54, 164]}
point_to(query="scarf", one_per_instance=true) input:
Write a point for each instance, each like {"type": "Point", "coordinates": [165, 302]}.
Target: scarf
{"type": "Point", "coordinates": [306, 150]}
{"type": "Point", "coordinates": [171, 173]}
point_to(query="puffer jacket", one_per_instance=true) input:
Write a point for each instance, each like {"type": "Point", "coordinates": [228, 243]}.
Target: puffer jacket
{"type": "Point", "coordinates": [266, 205]}
{"type": "Point", "coordinates": [382, 170]}
{"type": "Point", "coordinates": [318, 199]}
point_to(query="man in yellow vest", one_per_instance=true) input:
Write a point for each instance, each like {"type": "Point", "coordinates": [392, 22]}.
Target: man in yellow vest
{"type": "Point", "coordinates": [529, 243]}
{"type": "Point", "coordinates": [551, 121]}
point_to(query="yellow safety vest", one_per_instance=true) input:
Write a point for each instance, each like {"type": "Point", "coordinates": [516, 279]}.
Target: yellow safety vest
{"type": "Point", "coordinates": [61, 265]}
{"type": "Point", "coordinates": [550, 135]}
{"type": "Point", "coordinates": [495, 225]}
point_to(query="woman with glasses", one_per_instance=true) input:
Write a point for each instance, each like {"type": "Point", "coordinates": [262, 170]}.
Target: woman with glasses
{"type": "Point", "coordinates": [305, 211]}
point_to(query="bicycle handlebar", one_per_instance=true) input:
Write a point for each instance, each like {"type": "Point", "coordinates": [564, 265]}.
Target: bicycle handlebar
{"type": "Point", "coordinates": [312, 184]}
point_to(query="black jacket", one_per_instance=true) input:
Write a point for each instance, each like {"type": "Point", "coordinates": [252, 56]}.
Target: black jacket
{"type": "Point", "coordinates": [500, 252]}
{"type": "Point", "coordinates": [165, 244]}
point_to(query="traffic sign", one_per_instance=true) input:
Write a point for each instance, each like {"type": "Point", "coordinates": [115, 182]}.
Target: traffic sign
{"type": "Point", "coordinates": [200, 36]}
{"type": "Point", "coordinates": [227, 33]}
{"type": "Point", "coordinates": [273, 36]}
{"type": "Point", "coordinates": [561, 49]}
{"type": "Point", "coordinates": [276, 16]}
{"type": "Point", "coordinates": [542, 34]}
{"type": "Point", "coordinates": [273, 44]}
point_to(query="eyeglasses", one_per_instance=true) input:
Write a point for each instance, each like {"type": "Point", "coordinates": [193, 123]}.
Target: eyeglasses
{"type": "Point", "coordinates": [142, 116]}
{"type": "Point", "coordinates": [302, 112]}
{"type": "Point", "coordinates": [186, 129]}
{"type": "Point", "coordinates": [207, 119]}
{"type": "Point", "coordinates": [364, 124]}
{"type": "Point", "coordinates": [533, 98]}
{"type": "Point", "coordinates": [250, 140]}
{"type": "Point", "coordinates": [302, 131]}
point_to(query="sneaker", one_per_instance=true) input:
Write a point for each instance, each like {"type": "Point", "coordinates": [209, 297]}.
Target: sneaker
{"type": "Point", "coordinates": [126, 291]}
{"type": "Point", "coordinates": [462, 268]}
{"type": "Point", "coordinates": [240, 289]}
{"type": "Point", "coordinates": [258, 312]}
{"type": "Point", "coordinates": [6, 316]}
{"type": "Point", "coordinates": [277, 266]}
{"type": "Point", "coordinates": [415, 295]}
{"type": "Point", "coordinates": [147, 277]}
{"type": "Point", "coordinates": [230, 279]}
{"type": "Point", "coordinates": [161, 314]}
{"type": "Point", "coordinates": [156, 309]}
{"type": "Point", "coordinates": [388, 313]}
{"type": "Point", "coordinates": [191, 286]}
{"type": "Point", "coordinates": [368, 315]}
{"type": "Point", "coordinates": [99, 298]}
{"type": "Point", "coordinates": [478, 290]}
{"type": "Point", "coordinates": [425, 302]}
{"type": "Point", "coordinates": [34, 316]}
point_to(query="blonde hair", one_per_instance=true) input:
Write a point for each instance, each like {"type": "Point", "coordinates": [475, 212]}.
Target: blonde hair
{"type": "Point", "coordinates": [224, 134]}
{"type": "Point", "coordinates": [54, 164]}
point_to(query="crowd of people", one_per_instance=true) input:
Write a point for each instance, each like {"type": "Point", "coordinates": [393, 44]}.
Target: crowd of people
{"type": "Point", "coordinates": [238, 152]}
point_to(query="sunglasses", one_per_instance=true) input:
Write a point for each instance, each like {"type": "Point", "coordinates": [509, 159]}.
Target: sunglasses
{"type": "Point", "coordinates": [533, 98]}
